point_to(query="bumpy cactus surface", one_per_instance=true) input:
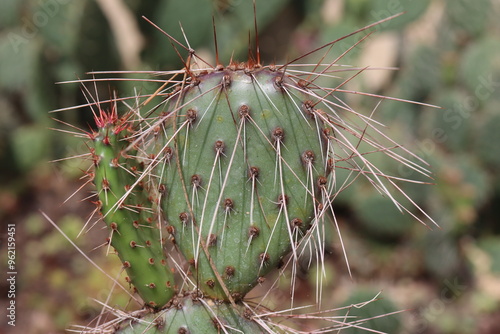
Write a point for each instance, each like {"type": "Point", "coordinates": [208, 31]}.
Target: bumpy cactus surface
{"type": "Point", "coordinates": [240, 166]}
{"type": "Point", "coordinates": [129, 219]}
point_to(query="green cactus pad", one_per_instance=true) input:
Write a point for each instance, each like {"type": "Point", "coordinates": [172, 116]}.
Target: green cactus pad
{"type": "Point", "coordinates": [241, 165]}
{"type": "Point", "coordinates": [188, 315]}
{"type": "Point", "coordinates": [133, 235]}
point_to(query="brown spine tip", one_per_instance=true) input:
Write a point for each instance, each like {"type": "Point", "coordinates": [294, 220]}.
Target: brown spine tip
{"type": "Point", "coordinates": [264, 258]}
{"type": "Point", "coordinates": [330, 165]}
{"type": "Point", "coordinates": [320, 207]}
{"type": "Point", "coordinates": [191, 116]}
{"type": "Point", "coordinates": [282, 200]}
{"type": "Point", "coordinates": [253, 172]}
{"type": "Point", "coordinates": [196, 180]}
{"type": "Point", "coordinates": [212, 240]}
{"type": "Point", "coordinates": [308, 157]}
{"type": "Point", "coordinates": [171, 229]}
{"type": "Point", "coordinates": [115, 163]}
{"type": "Point", "coordinates": [210, 283]}
{"type": "Point", "coordinates": [248, 314]}
{"type": "Point", "coordinates": [296, 223]}
{"type": "Point", "coordinates": [244, 111]}
{"type": "Point", "coordinates": [226, 80]}
{"type": "Point", "coordinates": [308, 108]}
{"type": "Point", "coordinates": [327, 133]}
{"type": "Point", "coordinates": [98, 203]}
{"type": "Point", "coordinates": [228, 205]}
{"type": "Point", "coordinates": [182, 330]}
{"type": "Point", "coordinates": [106, 141]}
{"type": "Point", "coordinates": [253, 231]}
{"type": "Point", "coordinates": [278, 135]}
{"type": "Point", "coordinates": [168, 154]}
{"type": "Point", "coordinates": [159, 323]}
{"type": "Point", "coordinates": [184, 217]}
{"type": "Point", "coordinates": [195, 81]}
{"type": "Point", "coordinates": [105, 184]}
{"type": "Point", "coordinates": [219, 147]}
{"type": "Point", "coordinates": [303, 83]}
{"type": "Point", "coordinates": [230, 270]}
{"type": "Point", "coordinates": [177, 304]}
{"type": "Point", "coordinates": [278, 82]}
{"type": "Point", "coordinates": [322, 181]}
{"type": "Point", "coordinates": [236, 296]}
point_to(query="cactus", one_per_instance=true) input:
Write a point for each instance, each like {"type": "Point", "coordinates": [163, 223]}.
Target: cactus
{"type": "Point", "coordinates": [236, 168]}
{"type": "Point", "coordinates": [132, 235]}
{"type": "Point", "coordinates": [242, 165]}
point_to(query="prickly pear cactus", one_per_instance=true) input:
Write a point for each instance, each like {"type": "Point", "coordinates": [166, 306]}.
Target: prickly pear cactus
{"type": "Point", "coordinates": [132, 232]}
{"type": "Point", "coordinates": [235, 169]}
{"type": "Point", "coordinates": [241, 166]}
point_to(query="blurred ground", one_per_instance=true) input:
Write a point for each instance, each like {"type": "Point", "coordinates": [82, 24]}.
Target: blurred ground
{"type": "Point", "coordinates": [447, 279]}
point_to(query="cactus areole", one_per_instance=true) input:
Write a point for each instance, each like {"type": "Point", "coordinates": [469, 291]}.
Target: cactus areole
{"type": "Point", "coordinates": [240, 163]}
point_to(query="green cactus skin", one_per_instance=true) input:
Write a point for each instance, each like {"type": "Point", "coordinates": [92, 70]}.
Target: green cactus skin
{"type": "Point", "coordinates": [242, 163]}
{"type": "Point", "coordinates": [193, 316]}
{"type": "Point", "coordinates": [136, 241]}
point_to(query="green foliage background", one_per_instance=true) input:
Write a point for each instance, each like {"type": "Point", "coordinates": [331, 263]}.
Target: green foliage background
{"type": "Point", "coordinates": [448, 55]}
